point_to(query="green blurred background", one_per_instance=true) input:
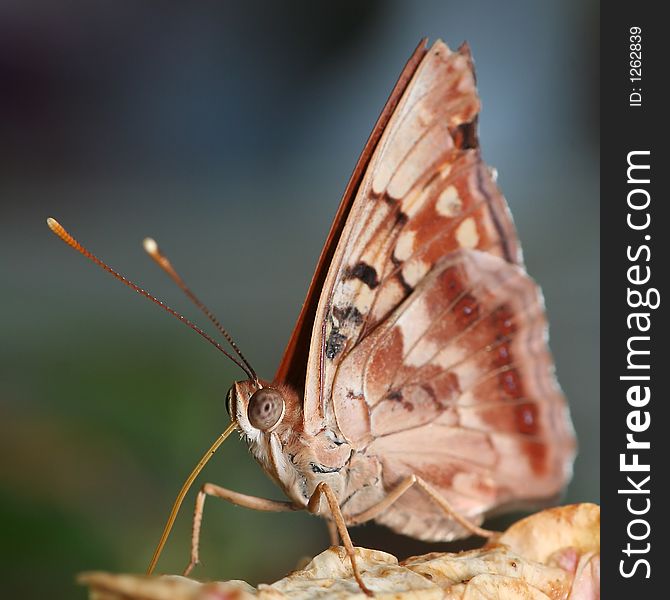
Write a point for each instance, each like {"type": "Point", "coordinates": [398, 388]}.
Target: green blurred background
{"type": "Point", "coordinates": [228, 131]}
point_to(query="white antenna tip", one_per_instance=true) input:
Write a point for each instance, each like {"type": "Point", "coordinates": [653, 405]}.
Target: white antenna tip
{"type": "Point", "coordinates": [150, 246]}
{"type": "Point", "coordinates": [52, 223]}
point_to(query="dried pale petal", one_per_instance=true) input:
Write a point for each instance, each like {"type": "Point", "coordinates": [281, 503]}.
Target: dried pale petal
{"type": "Point", "coordinates": [494, 587]}
{"type": "Point", "coordinates": [550, 531]}
{"type": "Point", "coordinates": [105, 586]}
{"type": "Point", "coordinates": [553, 555]}
{"type": "Point", "coordinates": [330, 573]}
{"type": "Point", "coordinates": [449, 570]}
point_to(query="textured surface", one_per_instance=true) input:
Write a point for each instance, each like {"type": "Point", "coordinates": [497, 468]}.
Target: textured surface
{"type": "Point", "coordinates": [552, 555]}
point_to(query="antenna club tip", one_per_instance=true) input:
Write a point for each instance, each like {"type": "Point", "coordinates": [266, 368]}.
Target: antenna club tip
{"type": "Point", "coordinates": [150, 245]}
{"type": "Point", "coordinates": [52, 223]}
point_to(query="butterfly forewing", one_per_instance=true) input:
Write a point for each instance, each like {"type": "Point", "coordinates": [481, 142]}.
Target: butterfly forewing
{"type": "Point", "coordinates": [293, 366]}
{"type": "Point", "coordinates": [426, 193]}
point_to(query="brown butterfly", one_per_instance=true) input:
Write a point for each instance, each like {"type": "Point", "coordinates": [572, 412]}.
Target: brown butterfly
{"type": "Point", "coordinates": [417, 388]}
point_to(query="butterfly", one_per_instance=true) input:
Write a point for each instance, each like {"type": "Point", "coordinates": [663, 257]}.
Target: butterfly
{"type": "Point", "coordinates": [417, 388]}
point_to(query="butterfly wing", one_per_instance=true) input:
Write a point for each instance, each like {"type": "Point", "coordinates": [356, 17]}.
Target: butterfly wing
{"type": "Point", "coordinates": [292, 369]}
{"type": "Point", "coordinates": [427, 204]}
{"type": "Point", "coordinates": [425, 193]}
{"type": "Point", "coordinates": [456, 386]}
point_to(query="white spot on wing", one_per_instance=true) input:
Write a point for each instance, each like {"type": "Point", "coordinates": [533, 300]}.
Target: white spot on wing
{"type": "Point", "coordinates": [414, 271]}
{"type": "Point", "coordinates": [450, 356]}
{"type": "Point", "coordinates": [405, 245]}
{"type": "Point", "coordinates": [363, 299]}
{"type": "Point", "coordinates": [466, 234]}
{"type": "Point", "coordinates": [413, 325]}
{"type": "Point", "coordinates": [389, 297]}
{"type": "Point", "coordinates": [449, 203]}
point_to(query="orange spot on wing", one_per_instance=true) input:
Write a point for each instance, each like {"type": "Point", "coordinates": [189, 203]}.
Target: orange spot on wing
{"type": "Point", "coordinates": [537, 456]}
{"type": "Point", "coordinates": [466, 310]}
{"type": "Point", "coordinates": [451, 281]}
{"type": "Point", "coordinates": [502, 355]}
{"type": "Point", "coordinates": [446, 388]}
{"type": "Point", "coordinates": [511, 383]}
{"type": "Point", "coordinates": [503, 320]}
{"type": "Point", "coordinates": [526, 416]}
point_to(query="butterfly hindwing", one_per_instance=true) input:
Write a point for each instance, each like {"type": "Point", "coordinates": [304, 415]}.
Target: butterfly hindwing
{"type": "Point", "coordinates": [457, 386]}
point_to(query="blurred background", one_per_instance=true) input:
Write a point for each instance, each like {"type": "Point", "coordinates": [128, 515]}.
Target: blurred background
{"type": "Point", "coordinates": [228, 130]}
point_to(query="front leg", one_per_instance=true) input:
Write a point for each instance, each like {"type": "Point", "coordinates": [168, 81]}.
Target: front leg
{"type": "Point", "coordinates": [323, 489]}
{"type": "Point", "coordinates": [253, 502]}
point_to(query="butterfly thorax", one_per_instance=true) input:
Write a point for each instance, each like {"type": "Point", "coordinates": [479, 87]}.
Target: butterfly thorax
{"type": "Point", "coordinates": [298, 460]}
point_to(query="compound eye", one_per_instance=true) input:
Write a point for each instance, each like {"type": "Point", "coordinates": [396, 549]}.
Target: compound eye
{"type": "Point", "coordinates": [266, 408]}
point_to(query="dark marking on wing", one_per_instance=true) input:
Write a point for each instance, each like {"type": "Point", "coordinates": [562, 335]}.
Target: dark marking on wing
{"type": "Point", "coordinates": [407, 288]}
{"type": "Point", "coordinates": [347, 314]}
{"type": "Point", "coordinates": [465, 135]}
{"type": "Point", "coordinates": [401, 218]}
{"type": "Point", "coordinates": [364, 272]}
{"type": "Point", "coordinates": [335, 343]}
{"type": "Point", "coordinates": [396, 396]}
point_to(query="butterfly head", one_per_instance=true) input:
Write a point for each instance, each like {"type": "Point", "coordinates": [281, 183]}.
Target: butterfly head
{"type": "Point", "coordinates": [270, 420]}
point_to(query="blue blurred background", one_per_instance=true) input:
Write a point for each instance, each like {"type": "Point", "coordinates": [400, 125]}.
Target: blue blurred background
{"type": "Point", "coordinates": [228, 132]}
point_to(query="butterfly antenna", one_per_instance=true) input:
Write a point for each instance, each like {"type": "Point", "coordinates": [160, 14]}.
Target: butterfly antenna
{"type": "Point", "coordinates": [60, 231]}
{"type": "Point", "coordinates": [152, 249]}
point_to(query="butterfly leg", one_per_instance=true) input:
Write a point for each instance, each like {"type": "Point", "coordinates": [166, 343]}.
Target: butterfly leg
{"type": "Point", "coordinates": [253, 502]}
{"type": "Point", "coordinates": [433, 494]}
{"type": "Point", "coordinates": [323, 489]}
{"type": "Point", "coordinates": [384, 503]}
{"type": "Point", "coordinates": [446, 506]}
{"type": "Point", "coordinates": [332, 533]}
